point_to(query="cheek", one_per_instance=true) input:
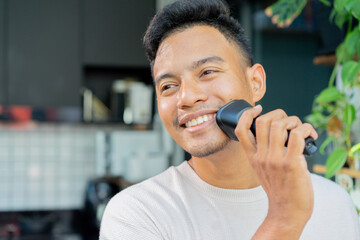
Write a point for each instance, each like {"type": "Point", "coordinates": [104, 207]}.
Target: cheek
{"type": "Point", "coordinates": [231, 89]}
{"type": "Point", "coordinates": [166, 110]}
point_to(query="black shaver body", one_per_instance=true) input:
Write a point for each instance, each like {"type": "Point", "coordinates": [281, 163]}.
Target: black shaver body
{"type": "Point", "coordinates": [228, 116]}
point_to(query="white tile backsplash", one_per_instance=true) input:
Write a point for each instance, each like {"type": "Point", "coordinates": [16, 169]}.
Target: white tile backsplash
{"type": "Point", "coordinates": [38, 167]}
{"type": "Point", "coordinates": [47, 167]}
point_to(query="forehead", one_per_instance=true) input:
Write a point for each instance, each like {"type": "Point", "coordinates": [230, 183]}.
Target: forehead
{"type": "Point", "coordinates": [192, 43]}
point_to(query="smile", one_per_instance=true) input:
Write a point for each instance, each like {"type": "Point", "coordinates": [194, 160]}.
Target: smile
{"type": "Point", "coordinates": [199, 120]}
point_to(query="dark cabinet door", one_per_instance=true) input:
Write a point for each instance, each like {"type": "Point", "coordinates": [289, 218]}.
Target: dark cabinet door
{"type": "Point", "coordinates": [43, 52]}
{"type": "Point", "coordinates": [3, 85]}
{"type": "Point", "coordinates": [113, 31]}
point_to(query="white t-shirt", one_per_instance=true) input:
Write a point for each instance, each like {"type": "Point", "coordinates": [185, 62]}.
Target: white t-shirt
{"type": "Point", "coordinates": [178, 204]}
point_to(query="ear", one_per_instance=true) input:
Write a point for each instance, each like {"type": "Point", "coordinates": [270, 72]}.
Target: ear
{"type": "Point", "coordinates": [257, 79]}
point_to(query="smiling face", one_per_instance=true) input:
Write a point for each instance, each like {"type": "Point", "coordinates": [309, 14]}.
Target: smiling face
{"type": "Point", "coordinates": [197, 71]}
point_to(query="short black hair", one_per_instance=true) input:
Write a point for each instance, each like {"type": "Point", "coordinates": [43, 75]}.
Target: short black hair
{"type": "Point", "coordinates": [181, 15]}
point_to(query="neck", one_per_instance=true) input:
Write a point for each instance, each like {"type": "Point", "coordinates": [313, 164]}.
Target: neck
{"type": "Point", "coordinates": [229, 168]}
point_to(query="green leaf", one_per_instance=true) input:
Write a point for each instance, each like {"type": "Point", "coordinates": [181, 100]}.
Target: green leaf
{"type": "Point", "coordinates": [332, 15]}
{"type": "Point", "coordinates": [354, 149]}
{"type": "Point", "coordinates": [352, 40]}
{"type": "Point", "coordinates": [326, 2]}
{"type": "Point", "coordinates": [340, 17]}
{"type": "Point", "coordinates": [339, 5]}
{"type": "Point", "coordinates": [335, 161]}
{"type": "Point", "coordinates": [329, 94]}
{"type": "Point", "coordinates": [353, 6]}
{"type": "Point", "coordinates": [327, 141]}
{"type": "Point", "coordinates": [349, 71]}
{"type": "Point", "coordinates": [349, 116]}
{"type": "Point", "coordinates": [342, 54]}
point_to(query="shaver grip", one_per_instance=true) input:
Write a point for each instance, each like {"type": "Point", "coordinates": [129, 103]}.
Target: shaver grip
{"type": "Point", "coordinates": [228, 116]}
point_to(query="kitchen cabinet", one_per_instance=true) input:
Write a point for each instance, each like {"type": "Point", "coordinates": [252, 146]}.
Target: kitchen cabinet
{"type": "Point", "coordinates": [46, 46]}
{"type": "Point", "coordinates": [43, 56]}
{"type": "Point", "coordinates": [113, 31]}
{"type": "Point", "coordinates": [2, 53]}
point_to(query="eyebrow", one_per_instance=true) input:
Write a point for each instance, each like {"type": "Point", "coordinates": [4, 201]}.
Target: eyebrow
{"type": "Point", "coordinates": [194, 65]}
{"type": "Point", "coordinates": [202, 61]}
{"type": "Point", "coordinates": [163, 76]}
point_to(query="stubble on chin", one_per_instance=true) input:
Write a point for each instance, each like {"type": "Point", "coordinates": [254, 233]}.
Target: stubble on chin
{"type": "Point", "coordinates": [209, 148]}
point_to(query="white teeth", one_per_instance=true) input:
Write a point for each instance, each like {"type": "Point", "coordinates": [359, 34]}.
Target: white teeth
{"type": "Point", "coordinates": [199, 120]}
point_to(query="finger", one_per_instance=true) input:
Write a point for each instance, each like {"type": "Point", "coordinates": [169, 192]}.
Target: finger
{"type": "Point", "coordinates": [263, 129]}
{"type": "Point", "coordinates": [242, 130]}
{"type": "Point", "coordinates": [297, 137]}
{"type": "Point", "coordinates": [279, 134]}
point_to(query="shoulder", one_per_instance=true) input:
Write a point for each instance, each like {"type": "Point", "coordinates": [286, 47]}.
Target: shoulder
{"type": "Point", "coordinates": [158, 186]}
{"type": "Point", "coordinates": [320, 183]}
{"type": "Point", "coordinates": [147, 190]}
{"type": "Point", "coordinates": [333, 209]}
{"type": "Point", "coordinates": [329, 193]}
{"type": "Point", "coordinates": [325, 188]}
{"type": "Point", "coordinates": [137, 209]}
{"type": "Point", "coordinates": [152, 197]}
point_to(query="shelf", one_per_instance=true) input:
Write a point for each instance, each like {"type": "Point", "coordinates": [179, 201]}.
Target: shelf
{"type": "Point", "coordinates": [351, 172]}
{"type": "Point", "coordinates": [327, 60]}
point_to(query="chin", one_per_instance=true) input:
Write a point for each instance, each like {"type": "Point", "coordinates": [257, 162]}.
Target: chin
{"type": "Point", "coordinates": [205, 150]}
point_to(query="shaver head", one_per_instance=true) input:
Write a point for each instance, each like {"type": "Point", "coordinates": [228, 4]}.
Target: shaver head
{"type": "Point", "coordinates": [228, 116]}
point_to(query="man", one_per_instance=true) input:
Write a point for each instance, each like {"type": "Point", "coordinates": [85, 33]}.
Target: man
{"type": "Point", "coordinates": [246, 189]}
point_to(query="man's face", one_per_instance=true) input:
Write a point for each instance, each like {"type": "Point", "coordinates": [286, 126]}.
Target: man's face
{"type": "Point", "coordinates": [197, 71]}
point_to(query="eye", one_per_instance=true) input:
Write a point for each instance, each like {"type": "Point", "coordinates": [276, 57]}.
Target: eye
{"type": "Point", "coordinates": [166, 87]}
{"type": "Point", "coordinates": [208, 72]}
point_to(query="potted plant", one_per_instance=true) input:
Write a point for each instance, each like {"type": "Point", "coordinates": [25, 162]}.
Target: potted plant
{"type": "Point", "coordinates": [335, 109]}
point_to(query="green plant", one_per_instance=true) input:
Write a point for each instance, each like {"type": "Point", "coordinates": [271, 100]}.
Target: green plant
{"type": "Point", "coordinates": [333, 108]}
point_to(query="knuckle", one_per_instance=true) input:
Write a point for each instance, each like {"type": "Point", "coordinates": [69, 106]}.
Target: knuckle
{"type": "Point", "coordinates": [277, 125]}
{"type": "Point", "coordinates": [260, 121]}
{"type": "Point", "coordinates": [263, 163]}
{"type": "Point", "coordinates": [308, 125]}
{"type": "Point", "coordinates": [260, 158]}
{"type": "Point", "coordinates": [296, 133]}
{"type": "Point", "coordinates": [296, 118]}
{"type": "Point", "coordinates": [281, 112]}
{"type": "Point", "coordinates": [273, 165]}
{"type": "Point", "coordinates": [289, 165]}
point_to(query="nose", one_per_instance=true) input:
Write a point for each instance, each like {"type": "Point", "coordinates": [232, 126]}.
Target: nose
{"type": "Point", "coordinates": [190, 94]}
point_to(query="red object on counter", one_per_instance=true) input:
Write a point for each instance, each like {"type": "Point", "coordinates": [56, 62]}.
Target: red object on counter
{"type": "Point", "coordinates": [19, 113]}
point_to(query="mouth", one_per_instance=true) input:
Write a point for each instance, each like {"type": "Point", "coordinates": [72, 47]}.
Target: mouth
{"type": "Point", "coordinates": [199, 120]}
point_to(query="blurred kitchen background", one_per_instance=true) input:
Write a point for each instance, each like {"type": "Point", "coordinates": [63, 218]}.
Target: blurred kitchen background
{"type": "Point", "coordinates": [78, 118]}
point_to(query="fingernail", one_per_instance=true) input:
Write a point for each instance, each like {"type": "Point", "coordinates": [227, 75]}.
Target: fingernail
{"type": "Point", "coordinates": [258, 107]}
